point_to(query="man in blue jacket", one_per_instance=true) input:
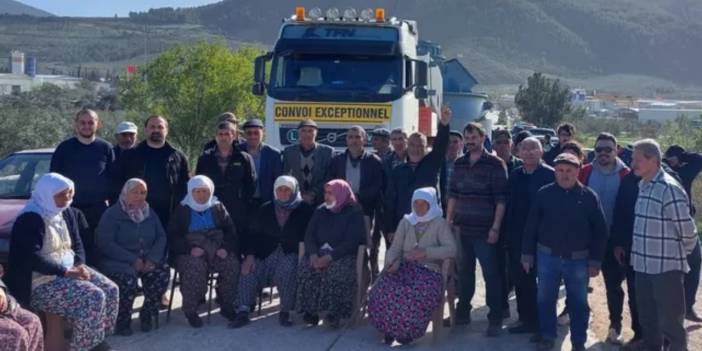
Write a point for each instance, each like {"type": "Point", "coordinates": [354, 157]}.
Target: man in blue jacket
{"type": "Point", "coordinates": [267, 159]}
{"type": "Point", "coordinates": [566, 242]}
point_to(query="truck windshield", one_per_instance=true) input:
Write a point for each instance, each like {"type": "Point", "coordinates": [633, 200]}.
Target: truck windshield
{"type": "Point", "coordinates": [336, 77]}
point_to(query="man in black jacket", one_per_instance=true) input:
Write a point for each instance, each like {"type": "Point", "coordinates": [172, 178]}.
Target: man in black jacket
{"type": "Point", "coordinates": [233, 173]}
{"type": "Point", "coordinates": [361, 169]}
{"type": "Point", "coordinates": [566, 134]}
{"type": "Point", "coordinates": [566, 242]}
{"type": "Point", "coordinates": [421, 170]}
{"type": "Point", "coordinates": [163, 167]}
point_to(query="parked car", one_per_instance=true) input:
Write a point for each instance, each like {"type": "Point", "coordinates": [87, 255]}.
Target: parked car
{"type": "Point", "coordinates": [19, 173]}
{"type": "Point", "coordinates": [545, 135]}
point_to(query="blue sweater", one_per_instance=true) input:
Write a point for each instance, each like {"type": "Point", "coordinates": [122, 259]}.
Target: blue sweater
{"type": "Point", "coordinates": [90, 167]}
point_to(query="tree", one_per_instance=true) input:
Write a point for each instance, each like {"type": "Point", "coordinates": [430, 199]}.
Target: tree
{"type": "Point", "coordinates": [191, 85]}
{"type": "Point", "coordinates": [543, 101]}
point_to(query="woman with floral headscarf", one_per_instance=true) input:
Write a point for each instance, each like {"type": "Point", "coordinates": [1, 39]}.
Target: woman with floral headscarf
{"type": "Point", "coordinates": [271, 250]}
{"type": "Point", "coordinates": [327, 277]}
{"type": "Point", "coordinates": [132, 245]}
{"type": "Point", "coordinates": [401, 302]}
{"type": "Point", "coordinates": [202, 239]}
{"type": "Point", "coordinates": [47, 269]}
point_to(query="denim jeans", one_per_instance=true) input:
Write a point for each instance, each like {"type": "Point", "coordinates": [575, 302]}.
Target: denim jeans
{"type": "Point", "coordinates": [486, 254]}
{"type": "Point", "coordinates": [550, 271]}
{"type": "Point", "coordinates": [692, 278]}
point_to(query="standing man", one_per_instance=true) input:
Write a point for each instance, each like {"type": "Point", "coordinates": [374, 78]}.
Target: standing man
{"type": "Point", "coordinates": [502, 145]}
{"type": "Point", "coordinates": [89, 162]}
{"type": "Point", "coordinates": [566, 134]}
{"type": "Point", "coordinates": [566, 237]}
{"type": "Point", "coordinates": [381, 142]}
{"type": "Point", "coordinates": [362, 170]}
{"type": "Point", "coordinates": [398, 156]}
{"type": "Point", "coordinates": [523, 184]}
{"type": "Point", "coordinates": [664, 235]}
{"type": "Point", "coordinates": [267, 159]}
{"type": "Point", "coordinates": [233, 173]}
{"type": "Point", "coordinates": [383, 149]}
{"type": "Point", "coordinates": [308, 162]}
{"type": "Point", "coordinates": [126, 137]}
{"type": "Point", "coordinates": [453, 153]}
{"type": "Point", "coordinates": [163, 168]}
{"type": "Point", "coordinates": [688, 166]}
{"type": "Point", "coordinates": [477, 198]}
{"type": "Point", "coordinates": [604, 176]}
{"type": "Point", "coordinates": [421, 170]}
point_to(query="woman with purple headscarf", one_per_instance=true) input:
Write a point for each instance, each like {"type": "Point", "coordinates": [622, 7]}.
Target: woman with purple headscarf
{"type": "Point", "coordinates": [327, 274]}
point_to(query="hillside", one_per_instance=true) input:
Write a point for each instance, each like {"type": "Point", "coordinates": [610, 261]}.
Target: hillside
{"type": "Point", "coordinates": [12, 7]}
{"type": "Point", "coordinates": [639, 46]}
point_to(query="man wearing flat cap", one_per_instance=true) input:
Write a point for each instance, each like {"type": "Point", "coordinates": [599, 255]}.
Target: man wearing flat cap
{"type": "Point", "coordinates": [308, 161]}
{"type": "Point", "coordinates": [565, 242]}
{"type": "Point", "coordinates": [267, 160]}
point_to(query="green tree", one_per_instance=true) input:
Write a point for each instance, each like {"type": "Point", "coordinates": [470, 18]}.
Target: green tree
{"type": "Point", "coordinates": [191, 85]}
{"type": "Point", "coordinates": [543, 101]}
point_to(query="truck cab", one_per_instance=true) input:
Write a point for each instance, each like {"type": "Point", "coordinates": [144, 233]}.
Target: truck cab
{"type": "Point", "coordinates": [343, 69]}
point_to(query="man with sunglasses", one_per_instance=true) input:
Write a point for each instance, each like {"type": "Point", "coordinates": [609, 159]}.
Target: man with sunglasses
{"type": "Point", "coordinates": [267, 160]}
{"type": "Point", "coordinates": [605, 175]}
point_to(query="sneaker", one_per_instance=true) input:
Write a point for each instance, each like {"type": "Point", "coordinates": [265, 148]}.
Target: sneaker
{"type": "Point", "coordinates": [241, 319]}
{"type": "Point", "coordinates": [615, 336]}
{"type": "Point", "coordinates": [692, 316]}
{"type": "Point", "coordinates": [564, 317]}
{"type": "Point", "coordinates": [284, 319]}
{"type": "Point", "coordinates": [521, 328]}
{"type": "Point", "coordinates": [194, 320]}
{"type": "Point", "coordinates": [545, 345]}
{"type": "Point", "coordinates": [311, 319]}
{"type": "Point", "coordinates": [494, 330]}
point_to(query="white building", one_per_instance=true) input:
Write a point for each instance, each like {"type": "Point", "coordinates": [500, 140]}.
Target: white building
{"type": "Point", "coordinates": [23, 76]}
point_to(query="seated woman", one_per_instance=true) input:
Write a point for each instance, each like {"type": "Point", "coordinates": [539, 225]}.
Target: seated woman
{"type": "Point", "coordinates": [271, 249]}
{"type": "Point", "coordinates": [401, 302]}
{"type": "Point", "coordinates": [132, 245]}
{"type": "Point", "coordinates": [47, 269]}
{"type": "Point", "coordinates": [19, 328]}
{"type": "Point", "coordinates": [327, 277]}
{"type": "Point", "coordinates": [202, 239]}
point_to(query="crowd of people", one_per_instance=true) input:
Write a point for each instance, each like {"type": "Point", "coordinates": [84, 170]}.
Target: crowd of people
{"type": "Point", "coordinates": [108, 223]}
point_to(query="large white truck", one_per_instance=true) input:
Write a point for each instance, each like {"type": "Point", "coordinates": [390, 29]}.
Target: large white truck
{"type": "Point", "coordinates": [347, 68]}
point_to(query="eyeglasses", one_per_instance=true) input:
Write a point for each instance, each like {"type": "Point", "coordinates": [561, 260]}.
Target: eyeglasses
{"type": "Point", "coordinates": [603, 149]}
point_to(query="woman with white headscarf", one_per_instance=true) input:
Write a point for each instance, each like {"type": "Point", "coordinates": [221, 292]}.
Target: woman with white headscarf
{"type": "Point", "coordinates": [47, 269]}
{"type": "Point", "coordinates": [401, 302]}
{"type": "Point", "coordinates": [202, 239]}
{"type": "Point", "coordinates": [132, 246]}
{"type": "Point", "coordinates": [271, 250]}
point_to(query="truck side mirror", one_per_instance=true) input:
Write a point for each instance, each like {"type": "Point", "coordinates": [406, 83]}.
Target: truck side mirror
{"type": "Point", "coordinates": [421, 93]}
{"type": "Point", "coordinates": [259, 75]}
{"type": "Point", "coordinates": [421, 72]}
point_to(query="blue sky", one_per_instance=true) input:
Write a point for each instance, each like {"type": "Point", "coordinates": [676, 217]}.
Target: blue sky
{"type": "Point", "coordinates": [107, 8]}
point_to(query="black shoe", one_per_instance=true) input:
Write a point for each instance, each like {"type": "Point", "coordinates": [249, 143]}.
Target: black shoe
{"type": "Point", "coordinates": [124, 331]}
{"type": "Point", "coordinates": [284, 319]}
{"type": "Point", "coordinates": [146, 325]}
{"type": "Point", "coordinates": [521, 328]}
{"type": "Point", "coordinates": [103, 346]}
{"type": "Point", "coordinates": [333, 321]}
{"type": "Point", "coordinates": [227, 314]}
{"type": "Point", "coordinates": [404, 341]}
{"type": "Point", "coordinates": [545, 345]}
{"type": "Point", "coordinates": [388, 340]}
{"type": "Point", "coordinates": [692, 316]}
{"type": "Point", "coordinates": [241, 319]}
{"type": "Point", "coordinates": [494, 330]}
{"type": "Point", "coordinates": [463, 318]}
{"type": "Point", "coordinates": [311, 319]}
{"type": "Point", "coordinates": [194, 320]}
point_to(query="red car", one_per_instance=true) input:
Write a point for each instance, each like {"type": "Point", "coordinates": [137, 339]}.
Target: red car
{"type": "Point", "coordinates": [19, 173]}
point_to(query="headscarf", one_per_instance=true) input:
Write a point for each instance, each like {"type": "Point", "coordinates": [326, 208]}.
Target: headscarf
{"type": "Point", "coordinates": [427, 194]}
{"type": "Point", "coordinates": [342, 193]}
{"type": "Point", "coordinates": [136, 214]}
{"type": "Point", "coordinates": [199, 181]}
{"type": "Point", "coordinates": [294, 200]}
{"type": "Point", "coordinates": [42, 199]}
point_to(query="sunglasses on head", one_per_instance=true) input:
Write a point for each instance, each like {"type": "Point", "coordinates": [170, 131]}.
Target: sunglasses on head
{"type": "Point", "coordinates": [606, 149]}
